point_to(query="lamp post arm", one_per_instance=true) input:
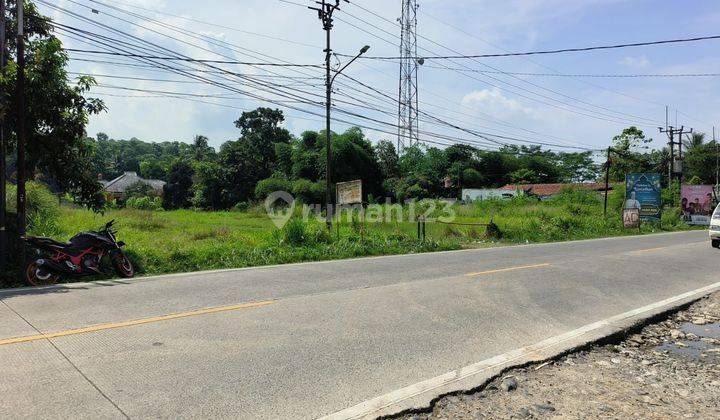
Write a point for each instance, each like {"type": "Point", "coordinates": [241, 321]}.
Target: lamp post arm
{"type": "Point", "coordinates": [343, 68]}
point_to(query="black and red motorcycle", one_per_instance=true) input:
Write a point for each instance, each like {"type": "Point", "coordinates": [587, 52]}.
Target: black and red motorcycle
{"type": "Point", "coordinates": [80, 258]}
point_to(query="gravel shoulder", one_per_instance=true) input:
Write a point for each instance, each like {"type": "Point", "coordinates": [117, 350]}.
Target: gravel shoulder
{"type": "Point", "coordinates": [670, 369]}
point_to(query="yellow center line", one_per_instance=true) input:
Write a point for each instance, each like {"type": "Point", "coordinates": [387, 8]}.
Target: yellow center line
{"type": "Point", "coordinates": [112, 325]}
{"type": "Point", "coordinates": [651, 249]}
{"type": "Point", "coordinates": [504, 270]}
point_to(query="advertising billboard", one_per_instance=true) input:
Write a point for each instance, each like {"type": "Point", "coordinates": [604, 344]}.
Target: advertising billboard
{"type": "Point", "coordinates": [643, 192]}
{"type": "Point", "coordinates": [697, 203]}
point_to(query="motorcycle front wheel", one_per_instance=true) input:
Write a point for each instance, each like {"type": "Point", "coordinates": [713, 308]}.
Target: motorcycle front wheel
{"type": "Point", "coordinates": [122, 264]}
{"type": "Point", "coordinates": [36, 276]}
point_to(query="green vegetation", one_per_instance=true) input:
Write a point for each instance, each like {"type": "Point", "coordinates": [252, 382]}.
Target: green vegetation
{"type": "Point", "coordinates": [186, 240]}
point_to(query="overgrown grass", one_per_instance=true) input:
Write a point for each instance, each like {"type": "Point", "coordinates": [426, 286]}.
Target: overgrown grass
{"type": "Point", "coordinates": [185, 240]}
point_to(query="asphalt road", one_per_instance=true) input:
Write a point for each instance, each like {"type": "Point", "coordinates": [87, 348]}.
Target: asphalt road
{"type": "Point", "coordinates": [307, 340]}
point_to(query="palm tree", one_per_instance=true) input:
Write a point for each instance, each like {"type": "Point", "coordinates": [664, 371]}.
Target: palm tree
{"type": "Point", "coordinates": [694, 140]}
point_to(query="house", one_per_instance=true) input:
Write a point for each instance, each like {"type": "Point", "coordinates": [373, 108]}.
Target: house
{"type": "Point", "coordinates": [545, 191]}
{"type": "Point", "coordinates": [474, 194]}
{"type": "Point", "coordinates": [115, 189]}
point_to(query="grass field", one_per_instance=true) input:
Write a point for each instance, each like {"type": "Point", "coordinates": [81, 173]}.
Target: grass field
{"type": "Point", "coordinates": [185, 240]}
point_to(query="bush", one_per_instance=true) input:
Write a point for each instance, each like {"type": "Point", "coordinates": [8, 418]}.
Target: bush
{"type": "Point", "coordinates": [671, 219]}
{"type": "Point", "coordinates": [144, 203]}
{"type": "Point", "coordinates": [308, 192]}
{"type": "Point", "coordinates": [270, 185]}
{"type": "Point", "coordinates": [43, 209]}
{"type": "Point", "coordinates": [294, 232]}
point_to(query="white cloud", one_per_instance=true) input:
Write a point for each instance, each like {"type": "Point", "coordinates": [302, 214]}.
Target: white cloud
{"type": "Point", "coordinates": [492, 101]}
{"type": "Point", "coordinates": [635, 62]}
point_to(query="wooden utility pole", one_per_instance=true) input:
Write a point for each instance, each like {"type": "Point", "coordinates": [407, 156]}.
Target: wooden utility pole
{"type": "Point", "coordinates": [607, 178]}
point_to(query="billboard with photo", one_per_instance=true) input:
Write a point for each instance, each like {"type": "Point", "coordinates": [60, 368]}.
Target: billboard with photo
{"type": "Point", "coordinates": [643, 191]}
{"type": "Point", "coordinates": [697, 203]}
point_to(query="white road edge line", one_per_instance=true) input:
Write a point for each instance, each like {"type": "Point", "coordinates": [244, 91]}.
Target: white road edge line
{"type": "Point", "coordinates": [401, 399]}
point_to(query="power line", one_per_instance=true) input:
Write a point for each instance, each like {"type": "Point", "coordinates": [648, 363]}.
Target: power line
{"type": "Point", "coordinates": [189, 19]}
{"type": "Point", "coordinates": [558, 51]}
{"type": "Point", "coordinates": [610, 118]}
{"type": "Point", "coordinates": [578, 75]}
{"type": "Point", "coordinates": [184, 31]}
{"type": "Point", "coordinates": [192, 60]}
{"type": "Point", "coordinates": [215, 83]}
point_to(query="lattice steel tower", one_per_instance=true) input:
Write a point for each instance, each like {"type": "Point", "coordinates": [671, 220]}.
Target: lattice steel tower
{"type": "Point", "coordinates": [408, 99]}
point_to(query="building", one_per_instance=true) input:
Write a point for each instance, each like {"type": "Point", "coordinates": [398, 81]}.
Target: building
{"type": "Point", "coordinates": [115, 189]}
{"type": "Point", "coordinates": [475, 194]}
{"type": "Point", "coordinates": [545, 191]}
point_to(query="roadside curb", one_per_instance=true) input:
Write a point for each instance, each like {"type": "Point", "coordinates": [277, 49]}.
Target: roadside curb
{"type": "Point", "coordinates": [420, 396]}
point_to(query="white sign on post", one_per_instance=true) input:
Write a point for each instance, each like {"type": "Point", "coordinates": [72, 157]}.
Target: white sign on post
{"type": "Point", "coordinates": [349, 193]}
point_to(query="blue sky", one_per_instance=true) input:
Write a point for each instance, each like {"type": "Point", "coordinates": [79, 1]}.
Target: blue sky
{"type": "Point", "coordinates": [567, 110]}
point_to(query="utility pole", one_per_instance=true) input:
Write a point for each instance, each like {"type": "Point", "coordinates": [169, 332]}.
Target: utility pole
{"type": "Point", "coordinates": [681, 170]}
{"type": "Point", "coordinates": [3, 148]}
{"type": "Point", "coordinates": [607, 178]}
{"type": "Point", "coordinates": [21, 135]}
{"type": "Point", "coordinates": [717, 162]}
{"type": "Point", "coordinates": [676, 168]}
{"type": "Point", "coordinates": [325, 12]}
{"type": "Point", "coordinates": [670, 130]}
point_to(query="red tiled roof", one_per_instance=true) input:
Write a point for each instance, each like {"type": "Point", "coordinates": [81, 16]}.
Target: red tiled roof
{"type": "Point", "coordinates": [553, 189]}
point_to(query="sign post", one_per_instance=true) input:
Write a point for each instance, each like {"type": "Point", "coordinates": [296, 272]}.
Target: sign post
{"type": "Point", "coordinates": [349, 194]}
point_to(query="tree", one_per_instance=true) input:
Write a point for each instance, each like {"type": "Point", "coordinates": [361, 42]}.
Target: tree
{"type": "Point", "coordinates": [388, 159]}
{"type": "Point", "coordinates": [138, 190]}
{"type": "Point", "coordinates": [578, 167]}
{"type": "Point", "coordinates": [242, 168]}
{"type": "Point", "coordinates": [56, 112]}
{"type": "Point", "coordinates": [627, 157]}
{"type": "Point", "coordinates": [208, 185]}
{"type": "Point", "coordinates": [261, 130]}
{"type": "Point", "coordinates": [201, 149]}
{"type": "Point", "coordinates": [178, 191]}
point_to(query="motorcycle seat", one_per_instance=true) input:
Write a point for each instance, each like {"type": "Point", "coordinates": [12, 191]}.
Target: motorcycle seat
{"type": "Point", "coordinates": [47, 242]}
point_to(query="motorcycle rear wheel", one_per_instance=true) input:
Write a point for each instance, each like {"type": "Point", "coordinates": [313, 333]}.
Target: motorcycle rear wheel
{"type": "Point", "coordinates": [36, 276]}
{"type": "Point", "coordinates": [122, 264]}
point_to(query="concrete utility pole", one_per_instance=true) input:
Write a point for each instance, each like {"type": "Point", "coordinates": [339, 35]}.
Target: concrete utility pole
{"type": "Point", "coordinates": [21, 175]}
{"type": "Point", "coordinates": [325, 13]}
{"type": "Point", "coordinates": [3, 148]}
{"type": "Point", "coordinates": [676, 168]}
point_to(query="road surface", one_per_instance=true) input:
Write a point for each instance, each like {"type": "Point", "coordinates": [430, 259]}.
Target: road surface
{"type": "Point", "coordinates": [309, 340]}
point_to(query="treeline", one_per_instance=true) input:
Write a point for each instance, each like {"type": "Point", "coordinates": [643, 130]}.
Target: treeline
{"type": "Point", "coordinates": [267, 158]}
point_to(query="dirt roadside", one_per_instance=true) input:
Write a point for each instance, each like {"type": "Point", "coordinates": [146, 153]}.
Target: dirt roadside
{"type": "Point", "coordinates": [670, 369]}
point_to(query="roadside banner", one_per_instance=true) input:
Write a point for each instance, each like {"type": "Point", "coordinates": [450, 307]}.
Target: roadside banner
{"type": "Point", "coordinates": [697, 204]}
{"type": "Point", "coordinates": [643, 192]}
{"type": "Point", "coordinates": [349, 193]}
{"type": "Point", "coordinates": [631, 218]}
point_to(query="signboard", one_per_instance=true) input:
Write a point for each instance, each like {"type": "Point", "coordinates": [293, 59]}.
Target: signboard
{"type": "Point", "coordinates": [631, 218]}
{"type": "Point", "coordinates": [349, 192]}
{"type": "Point", "coordinates": [697, 204]}
{"type": "Point", "coordinates": [643, 192]}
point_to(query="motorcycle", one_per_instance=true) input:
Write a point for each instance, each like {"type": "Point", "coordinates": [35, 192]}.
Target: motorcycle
{"type": "Point", "coordinates": [80, 258]}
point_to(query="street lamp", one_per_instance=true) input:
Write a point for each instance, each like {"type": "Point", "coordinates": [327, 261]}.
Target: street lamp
{"type": "Point", "coordinates": [328, 140]}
